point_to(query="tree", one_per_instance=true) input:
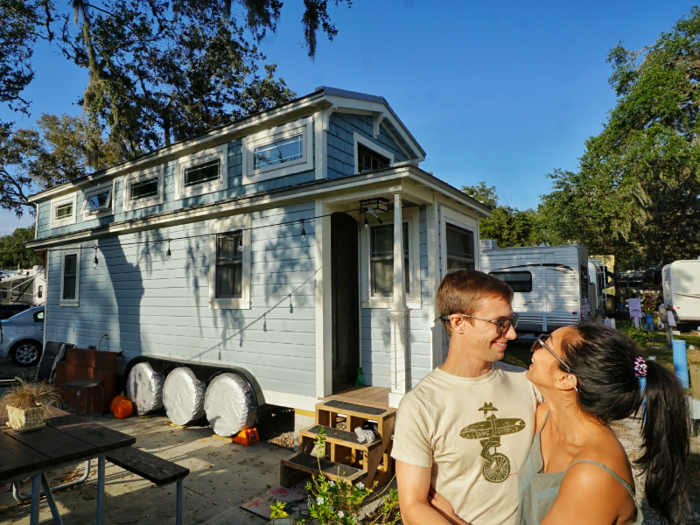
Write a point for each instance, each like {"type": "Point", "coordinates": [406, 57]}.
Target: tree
{"type": "Point", "coordinates": [637, 191]}
{"type": "Point", "coordinates": [13, 254]}
{"type": "Point", "coordinates": [62, 149]}
{"type": "Point", "coordinates": [507, 226]}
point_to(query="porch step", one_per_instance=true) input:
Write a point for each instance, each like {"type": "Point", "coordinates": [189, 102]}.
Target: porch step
{"type": "Point", "coordinates": [353, 409]}
{"type": "Point", "coordinates": [300, 466]}
{"type": "Point", "coordinates": [337, 437]}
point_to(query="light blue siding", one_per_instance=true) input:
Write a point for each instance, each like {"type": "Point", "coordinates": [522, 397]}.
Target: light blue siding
{"type": "Point", "coordinates": [151, 305]}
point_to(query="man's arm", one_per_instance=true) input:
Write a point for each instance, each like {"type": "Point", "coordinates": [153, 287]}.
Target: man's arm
{"type": "Point", "coordinates": [413, 484]}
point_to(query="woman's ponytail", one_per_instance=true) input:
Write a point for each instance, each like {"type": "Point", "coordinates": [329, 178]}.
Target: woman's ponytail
{"type": "Point", "coordinates": [666, 434]}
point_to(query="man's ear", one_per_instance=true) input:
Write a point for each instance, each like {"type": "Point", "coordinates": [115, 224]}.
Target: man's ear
{"type": "Point", "coordinates": [458, 323]}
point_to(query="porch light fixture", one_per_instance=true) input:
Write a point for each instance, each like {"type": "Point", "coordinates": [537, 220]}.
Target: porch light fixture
{"type": "Point", "coordinates": [374, 207]}
{"type": "Point", "coordinates": [95, 261]}
{"type": "Point", "coordinates": [168, 254]}
{"type": "Point", "coordinates": [303, 231]}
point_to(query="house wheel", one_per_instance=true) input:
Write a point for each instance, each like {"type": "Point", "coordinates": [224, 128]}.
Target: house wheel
{"type": "Point", "coordinates": [497, 469]}
{"type": "Point", "coordinates": [26, 353]}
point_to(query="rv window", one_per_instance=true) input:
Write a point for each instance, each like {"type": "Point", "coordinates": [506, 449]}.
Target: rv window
{"type": "Point", "coordinates": [460, 248]}
{"type": "Point", "coordinates": [518, 281]}
{"type": "Point", "coordinates": [229, 264]}
{"type": "Point", "coordinates": [382, 260]}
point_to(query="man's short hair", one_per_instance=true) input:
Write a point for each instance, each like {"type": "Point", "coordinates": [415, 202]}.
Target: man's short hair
{"type": "Point", "coordinates": [462, 291]}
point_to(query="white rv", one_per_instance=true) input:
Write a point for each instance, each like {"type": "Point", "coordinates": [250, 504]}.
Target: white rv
{"type": "Point", "coordinates": [23, 286]}
{"type": "Point", "coordinates": [681, 285]}
{"type": "Point", "coordinates": [551, 283]}
{"type": "Point", "coordinates": [597, 284]}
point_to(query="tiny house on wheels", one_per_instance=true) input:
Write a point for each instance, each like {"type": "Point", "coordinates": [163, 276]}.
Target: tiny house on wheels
{"type": "Point", "coordinates": [681, 286]}
{"type": "Point", "coordinates": [551, 283]}
{"type": "Point", "coordinates": [301, 247]}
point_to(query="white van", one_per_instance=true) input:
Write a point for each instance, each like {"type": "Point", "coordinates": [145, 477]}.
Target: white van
{"type": "Point", "coordinates": [681, 285]}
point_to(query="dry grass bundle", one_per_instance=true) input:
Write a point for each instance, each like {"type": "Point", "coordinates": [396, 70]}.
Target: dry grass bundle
{"type": "Point", "coordinates": [29, 394]}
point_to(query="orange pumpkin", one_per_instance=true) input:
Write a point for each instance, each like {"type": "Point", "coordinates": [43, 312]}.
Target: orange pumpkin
{"type": "Point", "coordinates": [117, 400]}
{"type": "Point", "coordinates": [123, 409]}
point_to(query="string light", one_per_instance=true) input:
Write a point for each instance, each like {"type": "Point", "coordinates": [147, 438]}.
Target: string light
{"type": "Point", "coordinates": [95, 261]}
{"type": "Point", "coordinates": [240, 242]}
{"type": "Point", "coordinates": [303, 231]}
{"type": "Point", "coordinates": [168, 254]}
{"type": "Point", "coordinates": [366, 222]}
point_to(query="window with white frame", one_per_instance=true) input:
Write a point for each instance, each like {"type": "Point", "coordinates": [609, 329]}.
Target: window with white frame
{"type": "Point", "coordinates": [458, 234]}
{"type": "Point", "coordinates": [202, 172]}
{"type": "Point", "coordinates": [378, 264]}
{"type": "Point", "coordinates": [370, 156]}
{"type": "Point", "coordinates": [142, 189]}
{"type": "Point", "coordinates": [99, 201]}
{"type": "Point", "coordinates": [279, 151]}
{"type": "Point", "coordinates": [70, 277]}
{"type": "Point", "coordinates": [229, 269]}
{"type": "Point", "coordinates": [63, 211]}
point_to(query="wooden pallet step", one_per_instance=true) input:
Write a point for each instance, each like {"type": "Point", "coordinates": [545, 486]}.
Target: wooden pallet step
{"type": "Point", "coordinates": [299, 466]}
{"type": "Point", "coordinates": [340, 437]}
{"type": "Point", "coordinates": [353, 409]}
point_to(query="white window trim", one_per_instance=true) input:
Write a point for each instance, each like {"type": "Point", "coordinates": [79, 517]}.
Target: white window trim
{"type": "Point", "coordinates": [220, 152]}
{"type": "Point", "coordinates": [55, 223]}
{"type": "Point", "coordinates": [305, 163]}
{"type": "Point", "coordinates": [75, 250]}
{"type": "Point", "coordinates": [461, 221]}
{"type": "Point", "coordinates": [87, 214]}
{"type": "Point", "coordinates": [156, 172]}
{"type": "Point", "coordinates": [414, 301]}
{"type": "Point", "coordinates": [359, 139]}
{"type": "Point", "coordinates": [241, 222]}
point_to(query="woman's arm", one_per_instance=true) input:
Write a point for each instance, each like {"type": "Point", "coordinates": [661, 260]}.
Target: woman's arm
{"type": "Point", "coordinates": [589, 496]}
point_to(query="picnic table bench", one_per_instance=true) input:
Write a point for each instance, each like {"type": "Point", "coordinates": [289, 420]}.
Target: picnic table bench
{"type": "Point", "coordinates": [156, 470]}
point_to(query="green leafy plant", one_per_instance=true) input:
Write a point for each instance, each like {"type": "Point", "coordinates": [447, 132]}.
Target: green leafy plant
{"type": "Point", "coordinates": [638, 335]}
{"type": "Point", "coordinates": [340, 502]}
{"type": "Point", "coordinates": [278, 510]}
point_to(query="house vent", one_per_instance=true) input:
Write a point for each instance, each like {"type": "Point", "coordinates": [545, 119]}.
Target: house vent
{"type": "Point", "coordinates": [488, 244]}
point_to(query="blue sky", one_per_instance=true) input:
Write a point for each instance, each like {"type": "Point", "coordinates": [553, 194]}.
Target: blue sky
{"type": "Point", "coordinates": [502, 92]}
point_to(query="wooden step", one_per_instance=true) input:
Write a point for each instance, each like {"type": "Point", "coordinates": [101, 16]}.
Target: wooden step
{"type": "Point", "coordinates": [300, 466]}
{"type": "Point", "coordinates": [353, 409]}
{"type": "Point", "coordinates": [340, 437]}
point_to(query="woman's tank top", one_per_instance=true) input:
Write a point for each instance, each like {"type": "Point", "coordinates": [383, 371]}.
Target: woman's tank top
{"type": "Point", "coordinates": [538, 490]}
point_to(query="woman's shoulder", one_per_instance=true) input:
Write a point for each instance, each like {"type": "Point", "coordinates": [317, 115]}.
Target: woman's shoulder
{"type": "Point", "coordinates": [604, 460]}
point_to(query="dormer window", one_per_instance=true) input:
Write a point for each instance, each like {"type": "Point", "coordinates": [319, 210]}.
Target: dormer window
{"type": "Point", "coordinates": [142, 189]}
{"type": "Point", "coordinates": [63, 211]}
{"type": "Point", "coordinates": [202, 172]}
{"type": "Point", "coordinates": [370, 156]}
{"type": "Point", "coordinates": [278, 151]}
{"type": "Point", "coordinates": [98, 201]}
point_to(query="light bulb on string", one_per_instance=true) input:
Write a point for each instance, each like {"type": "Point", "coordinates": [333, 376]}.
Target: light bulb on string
{"type": "Point", "coordinates": [240, 242]}
{"type": "Point", "coordinates": [366, 222]}
{"type": "Point", "coordinates": [303, 231]}
{"type": "Point", "coordinates": [168, 254]}
{"type": "Point", "coordinates": [95, 261]}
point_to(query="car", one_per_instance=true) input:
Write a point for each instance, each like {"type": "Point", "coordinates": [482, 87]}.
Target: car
{"type": "Point", "coordinates": [22, 337]}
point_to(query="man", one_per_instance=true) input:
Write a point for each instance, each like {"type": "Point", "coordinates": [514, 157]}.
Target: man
{"type": "Point", "coordinates": [466, 428]}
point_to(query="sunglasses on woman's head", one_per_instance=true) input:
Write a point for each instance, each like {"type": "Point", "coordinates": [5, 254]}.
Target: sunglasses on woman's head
{"type": "Point", "coordinates": [502, 325]}
{"type": "Point", "coordinates": [540, 343]}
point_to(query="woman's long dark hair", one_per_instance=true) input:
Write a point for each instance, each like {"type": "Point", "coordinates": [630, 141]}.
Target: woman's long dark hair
{"type": "Point", "coordinates": [603, 360]}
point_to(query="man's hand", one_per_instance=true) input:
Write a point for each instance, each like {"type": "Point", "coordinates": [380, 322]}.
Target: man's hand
{"type": "Point", "coordinates": [415, 500]}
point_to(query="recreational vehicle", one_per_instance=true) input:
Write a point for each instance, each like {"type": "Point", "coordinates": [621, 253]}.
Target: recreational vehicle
{"type": "Point", "coordinates": [551, 283]}
{"type": "Point", "coordinates": [681, 285]}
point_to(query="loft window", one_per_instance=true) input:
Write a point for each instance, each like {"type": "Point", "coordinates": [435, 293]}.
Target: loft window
{"type": "Point", "coordinates": [370, 160]}
{"type": "Point", "coordinates": [278, 152]}
{"type": "Point", "coordinates": [98, 200]}
{"type": "Point", "coordinates": [229, 265]}
{"type": "Point", "coordinates": [382, 260]}
{"type": "Point", "coordinates": [460, 248]}
{"type": "Point", "coordinates": [64, 211]}
{"type": "Point", "coordinates": [518, 281]}
{"type": "Point", "coordinates": [143, 189]}
{"type": "Point", "coordinates": [202, 173]}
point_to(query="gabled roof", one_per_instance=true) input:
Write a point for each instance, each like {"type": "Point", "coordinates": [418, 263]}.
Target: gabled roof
{"type": "Point", "coordinates": [323, 98]}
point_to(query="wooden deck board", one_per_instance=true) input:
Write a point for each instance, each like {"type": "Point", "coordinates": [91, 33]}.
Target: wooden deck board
{"type": "Point", "coordinates": [367, 395]}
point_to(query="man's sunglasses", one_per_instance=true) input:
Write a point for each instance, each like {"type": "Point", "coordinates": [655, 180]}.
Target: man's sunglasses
{"type": "Point", "coordinates": [540, 343]}
{"type": "Point", "coordinates": [502, 325]}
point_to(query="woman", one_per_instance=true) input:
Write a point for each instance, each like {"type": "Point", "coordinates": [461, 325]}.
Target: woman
{"type": "Point", "coordinates": [577, 471]}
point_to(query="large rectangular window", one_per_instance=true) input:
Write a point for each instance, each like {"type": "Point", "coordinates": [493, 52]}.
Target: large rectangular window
{"type": "Point", "coordinates": [70, 277]}
{"type": "Point", "coordinates": [382, 260]}
{"type": "Point", "coordinates": [229, 265]}
{"type": "Point", "coordinates": [98, 201]}
{"type": "Point", "coordinates": [460, 248]}
{"type": "Point", "coordinates": [63, 211]}
{"type": "Point", "coordinates": [201, 173]}
{"type": "Point", "coordinates": [518, 281]}
{"type": "Point", "coordinates": [143, 189]}
{"type": "Point", "coordinates": [278, 152]}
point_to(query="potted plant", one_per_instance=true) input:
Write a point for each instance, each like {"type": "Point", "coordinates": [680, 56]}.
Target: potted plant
{"type": "Point", "coordinates": [26, 403]}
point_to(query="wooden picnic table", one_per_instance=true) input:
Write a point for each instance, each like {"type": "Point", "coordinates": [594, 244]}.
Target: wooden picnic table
{"type": "Point", "coordinates": [65, 440]}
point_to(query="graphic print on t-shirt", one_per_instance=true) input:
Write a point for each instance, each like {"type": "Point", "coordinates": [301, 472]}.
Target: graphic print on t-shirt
{"type": "Point", "coordinates": [497, 466]}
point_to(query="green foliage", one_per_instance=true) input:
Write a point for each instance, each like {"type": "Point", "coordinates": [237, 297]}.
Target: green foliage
{"type": "Point", "coordinates": [278, 510]}
{"type": "Point", "coordinates": [13, 254]}
{"type": "Point", "coordinates": [638, 335]}
{"type": "Point", "coordinates": [508, 226]}
{"type": "Point", "coordinates": [637, 192]}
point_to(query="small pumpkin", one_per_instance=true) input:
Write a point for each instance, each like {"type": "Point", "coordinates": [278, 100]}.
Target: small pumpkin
{"type": "Point", "coordinates": [123, 409]}
{"type": "Point", "coordinates": [116, 401]}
